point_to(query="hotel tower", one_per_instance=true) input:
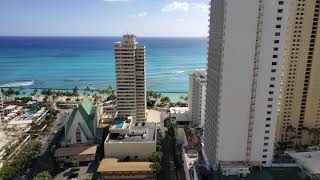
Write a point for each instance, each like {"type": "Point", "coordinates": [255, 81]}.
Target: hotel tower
{"type": "Point", "coordinates": [299, 118]}
{"type": "Point", "coordinates": [130, 76]}
{"type": "Point", "coordinates": [247, 40]}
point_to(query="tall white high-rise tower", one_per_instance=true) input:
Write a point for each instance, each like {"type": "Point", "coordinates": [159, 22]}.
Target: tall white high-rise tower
{"type": "Point", "coordinates": [1, 107]}
{"type": "Point", "coordinates": [247, 40]}
{"type": "Point", "coordinates": [130, 75]}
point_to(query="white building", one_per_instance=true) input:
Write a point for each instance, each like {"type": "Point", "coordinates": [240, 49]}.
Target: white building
{"type": "Point", "coordinates": [197, 96]}
{"type": "Point", "coordinates": [132, 140]}
{"type": "Point", "coordinates": [130, 75]}
{"type": "Point", "coordinates": [309, 162]}
{"type": "Point", "coordinates": [247, 39]}
{"type": "Point", "coordinates": [180, 116]}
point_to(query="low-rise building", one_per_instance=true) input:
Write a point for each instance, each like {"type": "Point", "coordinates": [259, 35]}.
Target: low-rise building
{"type": "Point", "coordinates": [112, 168]}
{"type": "Point", "coordinates": [309, 162]}
{"type": "Point", "coordinates": [79, 153]}
{"type": "Point", "coordinates": [9, 109]}
{"type": "Point", "coordinates": [128, 140]}
{"type": "Point", "coordinates": [180, 116]}
{"type": "Point", "coordinates": [80, 128]}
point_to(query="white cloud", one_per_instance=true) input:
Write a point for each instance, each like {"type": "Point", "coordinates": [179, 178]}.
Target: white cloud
{"type": "Point", "coordinates": [185, 6]}
{"type": "Point", "coordinates": [176, 6]}
{"type": "Point", "coordinates": [201, 6]}
{"type": "Point", "coordinates": [115, 0]}
{"type": "Point", "coordinates": [140, 14]}
{"type": "Point", "coordinates": [179, 20]}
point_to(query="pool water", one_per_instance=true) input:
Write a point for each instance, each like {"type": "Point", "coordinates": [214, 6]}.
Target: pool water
{"type": "Point", "coordinates": [29, 114]}
{"type": "Point", "coordinates": [119, 125]}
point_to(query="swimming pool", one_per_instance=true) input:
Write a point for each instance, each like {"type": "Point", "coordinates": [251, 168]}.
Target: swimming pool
{"type": "Point", "coordinates": [119, 125]}
{"type": "Point", "coordinates": [29, 114]}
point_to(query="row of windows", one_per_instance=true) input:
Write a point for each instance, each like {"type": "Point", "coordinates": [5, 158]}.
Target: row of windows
{"type": "Point", "coordinates": [273, 70]}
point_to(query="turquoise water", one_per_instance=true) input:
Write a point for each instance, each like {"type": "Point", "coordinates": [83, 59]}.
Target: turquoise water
{"type": "Point", "coordinates": [119, 125]}
{"type": "Point", "coordinates": [65, 62]}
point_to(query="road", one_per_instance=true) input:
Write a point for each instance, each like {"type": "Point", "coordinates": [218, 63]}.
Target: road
{"type": "Point", "coordinates": [168, 172]}
{"type": "Point", "coordinates": [49, 142]}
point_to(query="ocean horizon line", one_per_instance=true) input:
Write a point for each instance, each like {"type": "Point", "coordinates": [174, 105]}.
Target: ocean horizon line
{"type": "Point", "coordinates": [76, 36]}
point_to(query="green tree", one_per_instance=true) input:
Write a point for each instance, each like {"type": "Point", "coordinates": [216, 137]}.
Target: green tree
{"type": "Point", "coordinates": [45, 175]}
{"type": "Point", "coordinates": [34, 92]}
{"type": "Point", "coordinates": [165, 100]}
{"type": "Point", "coordinates": [75, 91]}
{"type": "Point", "coordinates": [156, 158]}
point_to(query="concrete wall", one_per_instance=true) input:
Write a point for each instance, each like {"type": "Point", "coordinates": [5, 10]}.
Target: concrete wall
{"type": "Point", "coordinates": [124, 149]}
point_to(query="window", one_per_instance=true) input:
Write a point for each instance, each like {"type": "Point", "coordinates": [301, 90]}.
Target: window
{"type": "Point", "coordinates": [272, 79]}
{"type": "Point", "coordinates": [271, 85]}
{"type": "Point", "coordinates": [268, 119]}
{"type": "Point", "coordinates": [275, 49]}
{"type": "Point", "coordinates": [266, 138]}
{"type": "Point", "coordinates": [267, 125]}
{"type": "Point", "coordinates": [78, 135]}
{"type": "Point", "coordinates": [271, 92]}
{"type": "Point", "coordinates": [265, 150]}
{"type": "Point", "coordinates": [280, 10]}
{"type": "Point", "coordinates": [277, 34]}
{"type": "Point", "coordinates": [281, 2]}
{"type": "Point", "coordinates": [279, 18]}
{"type": "Point", "coordinates": [273, 70]}
{"type": "Point", "coordinates": [276, 41]}
{"type": "Point", "coordinates": [274, 63]}
{"type": "Point", "coordinates": [278, 26]}
{"type": "Point", "coordinates": [265, 144]}
{"type": "Point", "coordinates": [274, 56]}
{"type": "Point", "coordinates": [264, 156]}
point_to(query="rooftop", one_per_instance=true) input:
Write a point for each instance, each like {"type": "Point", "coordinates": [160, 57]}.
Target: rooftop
{"type": "Point", "coordinates": [178, 110]}
{"type": "Point", "coordinates": [87, 111]}
{"type": "Point", "coordinates": [112, 164]}
{"type": "Point", "coordinates": [10, 107]}
{"type": "Point", "coordinates": [76, 151]}
{"type": "Point", "coordinates": [137, 132]}
{"type": "Point", "coordinates": [309, 160]}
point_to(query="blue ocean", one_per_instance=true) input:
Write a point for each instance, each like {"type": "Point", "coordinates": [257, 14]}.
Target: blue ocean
{"type": "Point", "coordinates": [65, 62]}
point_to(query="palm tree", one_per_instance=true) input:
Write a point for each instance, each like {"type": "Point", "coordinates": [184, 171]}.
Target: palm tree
{"type": "Point", "coordinates": [75, 92]}
{"type": "Point", "coordinates": [10, 92]}
{"type": "Point", "coordinates": [34, 92]}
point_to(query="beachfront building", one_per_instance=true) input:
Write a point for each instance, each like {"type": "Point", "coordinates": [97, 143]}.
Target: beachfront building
{"type": "Point", "coordinates": [130, 140]}
{"type": "Point", "coordinates": [9, 109]}
{"type": "Point", "coordinates": [80, 127]}
{"type": "Point", "coordinates": [197, 96]}
{"type": "Point", "coordinates": [246, 44]}
{"type": "Point", "coordinates": [130, 77]}
{"type": "Point", "coordinates": [180, 116]}
{"type": "Point", "coordinates": [299, 118]}
{"type": "Point", "coordinates": [112, 168]}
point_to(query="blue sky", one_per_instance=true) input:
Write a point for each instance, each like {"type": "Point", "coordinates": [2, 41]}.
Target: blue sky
{"type": "Point", "coordinates": [177, 18]}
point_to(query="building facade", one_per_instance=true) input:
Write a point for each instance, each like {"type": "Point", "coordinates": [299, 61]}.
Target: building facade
{"type": "Point", "coordinates": [197, 96]}
{"type": "Point", "coordinates": [130, 77]}
{"type": "Point", "coordinates": [128, 140]}
{"type": "Point", "coordinates": [80, 127]}
{"type": "Point", "coordinates": [299, 118]}
{"type": "Point", "coordinates": [247, 39]}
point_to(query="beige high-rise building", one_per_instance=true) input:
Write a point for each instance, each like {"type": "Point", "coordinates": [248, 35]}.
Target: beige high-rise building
{"type": "Point", "coordinates": [130, 74]}
{"type": "Point", "coordinates": [299, 117]}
